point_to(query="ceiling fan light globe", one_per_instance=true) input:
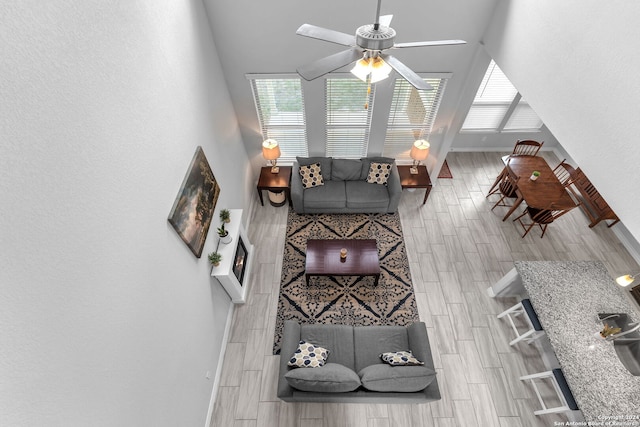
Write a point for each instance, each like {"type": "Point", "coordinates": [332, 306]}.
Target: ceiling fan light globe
{"type": "Point", "coordinates": [362, 69]}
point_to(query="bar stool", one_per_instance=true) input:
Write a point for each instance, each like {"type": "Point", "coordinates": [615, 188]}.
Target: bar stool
{"type": "Point", "coordinates": [561, 387]}
{"type": "Point", "coordinates": [535, 330]}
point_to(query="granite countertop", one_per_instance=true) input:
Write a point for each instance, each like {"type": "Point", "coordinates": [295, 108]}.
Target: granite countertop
{"type": "Point", "coordinates": [567, 296]}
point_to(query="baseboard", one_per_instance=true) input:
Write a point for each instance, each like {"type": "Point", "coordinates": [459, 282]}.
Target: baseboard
{"type": "Point", "coordinates": [216, 380]}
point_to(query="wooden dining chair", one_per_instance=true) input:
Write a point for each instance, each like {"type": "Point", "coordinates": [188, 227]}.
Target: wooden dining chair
{"type": "Point", "coordinates": [565, 173]}
{"type": "Point", "coordinates": [526, 147]}
{"type": "Point", "coordinates": [507, 188]}
{"type": "Point", "coordinates": [541, 217]}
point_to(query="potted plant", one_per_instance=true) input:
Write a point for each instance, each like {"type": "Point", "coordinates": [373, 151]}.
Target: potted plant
{"type": "Point", "coordinates": [224, 234]}
{"type": "Point", "coordinates": [534, 175]}
{"type": "Point", "coordinates": [225, 215]}
{"type": "Point", "coordinates": [215, 258]}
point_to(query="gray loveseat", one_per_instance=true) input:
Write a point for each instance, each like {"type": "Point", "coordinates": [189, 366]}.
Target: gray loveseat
{"type": "Point", "coordinates": [355, 351]}
{"type": "Point", "coordinates": [345, 189]}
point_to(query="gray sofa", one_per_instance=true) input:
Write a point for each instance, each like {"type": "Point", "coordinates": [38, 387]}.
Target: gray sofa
{"type": "Point", "coordinates": [345, 189]}
{"type": "Point", "coordinates": [355, 351]}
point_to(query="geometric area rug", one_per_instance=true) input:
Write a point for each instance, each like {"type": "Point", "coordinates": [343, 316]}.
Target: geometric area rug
{"type": "Point", "coordinates": [347, 300]}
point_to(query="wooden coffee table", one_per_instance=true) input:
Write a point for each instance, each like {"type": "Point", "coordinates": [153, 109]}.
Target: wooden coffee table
{"type": "Point", "coordinates": [323, 258]}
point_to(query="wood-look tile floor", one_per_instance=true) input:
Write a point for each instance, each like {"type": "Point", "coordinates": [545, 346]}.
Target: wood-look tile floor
{"type": "Point", "coordinates": [457, 248]}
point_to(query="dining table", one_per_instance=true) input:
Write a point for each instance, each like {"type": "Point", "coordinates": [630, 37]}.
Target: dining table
{"type": "Point", "coordinates": [539, 193]}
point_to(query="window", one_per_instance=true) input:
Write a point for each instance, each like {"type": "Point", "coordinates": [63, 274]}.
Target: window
{"type": "Point", "coordinates": [280, 107]}
{"type": "Point", "coordinates": [349, 108]}
{"type": "Point", "coordinates": [412, 115]}
{"type": "Point", "coordinates": [499, 107]}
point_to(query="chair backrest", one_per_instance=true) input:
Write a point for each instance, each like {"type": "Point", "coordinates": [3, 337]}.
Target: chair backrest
{"type": "Point", "coordinates": [509, 185]}
{"type": "Point", "coordinates": [527, 147]}
{"type": "Point", "coordinates": [550, 213]}
{"type": "Point", "coordinates": [565, 173]}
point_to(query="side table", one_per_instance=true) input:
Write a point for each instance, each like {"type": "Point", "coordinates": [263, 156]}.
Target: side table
{"type": "Point", "coordinates": [419, 180]}
{"type": "Point", "coordinates": [275, 182]}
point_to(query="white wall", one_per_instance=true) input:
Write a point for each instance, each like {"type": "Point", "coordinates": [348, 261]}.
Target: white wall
{"type": "Point", "coordinates": [577, 64]}
{"type": "Point", "coordinates": [106, 316]}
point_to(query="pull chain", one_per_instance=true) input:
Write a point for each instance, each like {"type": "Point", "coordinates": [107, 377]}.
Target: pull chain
{"type": "Point", "coordinates": [366, 104]}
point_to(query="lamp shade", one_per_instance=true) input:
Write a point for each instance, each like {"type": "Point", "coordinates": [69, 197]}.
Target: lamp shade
{"type": "Point", "coordinates": [625, 280]}
{"type": "Point", "coordinates": [270, 149]}
{"type": "Point", "coordinates": [420, 150]}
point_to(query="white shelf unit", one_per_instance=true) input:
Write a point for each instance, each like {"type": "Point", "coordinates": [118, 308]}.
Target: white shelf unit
{"type": "Point", "coordinates": [224, 272]}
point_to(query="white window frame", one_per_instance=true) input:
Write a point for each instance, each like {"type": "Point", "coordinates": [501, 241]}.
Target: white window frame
{"type": "Point", "coordinates": [291, 130]}
{"type": "Point", "coordinates": [511, 108]}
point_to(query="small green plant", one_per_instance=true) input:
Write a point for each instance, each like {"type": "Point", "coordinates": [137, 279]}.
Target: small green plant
{"type": "Point", "coordinates": [215, 258]}
{"type": "Point", "coordinates": [536, 173]}
{"type": "Point", "coordinates": [221, 231]}
{"type": "Point", "coordinates": [225, 215]}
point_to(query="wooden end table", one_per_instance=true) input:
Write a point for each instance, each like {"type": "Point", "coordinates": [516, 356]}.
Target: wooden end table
{"type": "Point", "coordinates": [275, 182]}
{"type": "Point", "coordinates": [419, 180]}
{"type": "Point", "coordinates": [323, 258]}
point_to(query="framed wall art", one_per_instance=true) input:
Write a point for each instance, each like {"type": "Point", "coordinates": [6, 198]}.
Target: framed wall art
{"type": "Point", "coordinates": [193, 208]}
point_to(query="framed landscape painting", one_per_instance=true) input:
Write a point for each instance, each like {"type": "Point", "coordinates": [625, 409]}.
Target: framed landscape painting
{"type": "Point", "coordinates": [193, 208]}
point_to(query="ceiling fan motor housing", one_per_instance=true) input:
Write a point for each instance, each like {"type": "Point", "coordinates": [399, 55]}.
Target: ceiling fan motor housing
{"type": "Point", "coordinates": [369, 38]}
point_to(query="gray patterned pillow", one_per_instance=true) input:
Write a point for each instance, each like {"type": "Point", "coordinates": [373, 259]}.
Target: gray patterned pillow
{"type": "Point", "coordinates": [308, 355]}
{"type": "Point", "coordinates": [400, 358]}
{"type": "Point", "coordinates": [379, 173]}
{"type": "Point", "coordinates": [311, 175]}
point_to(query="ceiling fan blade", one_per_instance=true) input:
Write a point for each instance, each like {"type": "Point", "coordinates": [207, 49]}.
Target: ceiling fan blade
{"type": "Point", "coordinates": [325, 34]}
{"type": "Point", "coordinates": [415, 80]}
{"type": "Point", "coordinates": [386, 20]}
{"type": "Point", "coordinates": [431, 43]}
{"type": "Point", "coordinates": [328, 64]}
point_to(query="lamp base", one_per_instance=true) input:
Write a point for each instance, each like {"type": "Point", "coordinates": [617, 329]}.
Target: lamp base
{"type": "Point", "coordinates": [413, 170]}
{"type": "Point", "coordinates": [275, 169]}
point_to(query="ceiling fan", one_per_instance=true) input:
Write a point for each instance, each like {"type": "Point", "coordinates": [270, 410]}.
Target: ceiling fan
{"type": "Point", "coordinates": [367, 47]}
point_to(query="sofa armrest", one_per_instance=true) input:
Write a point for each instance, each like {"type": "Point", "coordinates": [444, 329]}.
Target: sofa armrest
{"type": "Point", "coordinates": [297, 191]}
{"type": "Point", "coordinates": [395, 188]}
{"type": "Point", "coordinates": [289, 344]}
{"type": "Point", "coordinates": [419, 343]}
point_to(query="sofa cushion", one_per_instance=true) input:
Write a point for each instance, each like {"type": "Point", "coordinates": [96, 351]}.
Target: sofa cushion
{"type": "Point", "coordinates": [383, 377]}
{"type": "Point", "coordinates": [366, 164]}
{"type": "Point", "coordinates": [361, 195]}
{"type": "Point", "coordinates": [346, 169]}
{"type": "Point", "coordinates": [311, 175]}
{"type": "Point", "coordinates": [371, 341]}
{"type": "Point", "coordinates": [330, 195]}
{"type": "Point", "coordinates": [308, 355]}
{"type": "Point", "coordinates": [379, 173]}
{"type": "Point", "coordinates": [330, 378]}
{"type": "Point", "coordinates": [400, 358]}
{"type": "Point", "coordinates": [338, 338]}
{"type": "Point", "coordinates": [325, 164]}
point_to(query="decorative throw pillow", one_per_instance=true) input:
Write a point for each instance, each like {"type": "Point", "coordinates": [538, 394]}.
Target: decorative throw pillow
{"type": "Point", "coordinates": [400, 358]}
{"type": "Point", "coordinates": [311, 175]}
{"type": "Point", "coordinates": [379, 173]}
{"type": "Point", "coordinates": [308, 356]}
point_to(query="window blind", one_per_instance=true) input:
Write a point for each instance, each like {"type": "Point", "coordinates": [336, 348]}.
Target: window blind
{"type": "Point", "coordinates": [493, 102]}
{"type": "Point", "coordinates": [280, 107]}
{"type": "Point", "coordinates": [412, 115]}
{"type": "Point", "coordinates": [349, 108]}
{"type": "Point", "coordinates": [523, 118]}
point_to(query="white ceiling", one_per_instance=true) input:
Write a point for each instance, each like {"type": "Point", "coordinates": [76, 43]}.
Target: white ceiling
{"type": "Point", "coordinates": [259, 37]}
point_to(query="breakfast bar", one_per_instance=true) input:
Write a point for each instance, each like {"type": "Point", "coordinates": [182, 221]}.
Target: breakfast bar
{"type": "Point", "coordinates": [567, 297]}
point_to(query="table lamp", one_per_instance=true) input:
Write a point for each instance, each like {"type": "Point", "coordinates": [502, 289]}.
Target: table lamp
{"type": "Point", "coordinates": [419, 151]}
{"type": "Point", "coordinates": [271, 152]}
